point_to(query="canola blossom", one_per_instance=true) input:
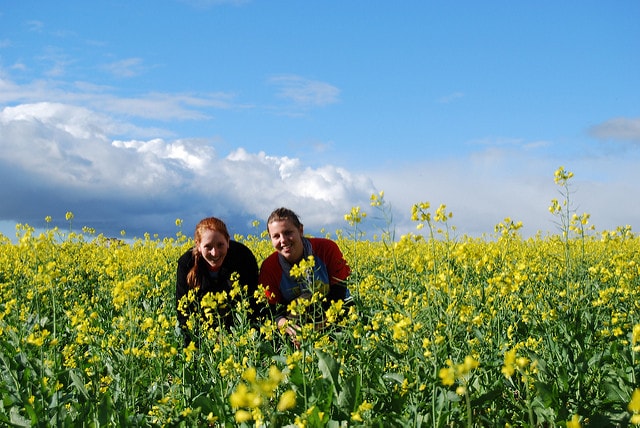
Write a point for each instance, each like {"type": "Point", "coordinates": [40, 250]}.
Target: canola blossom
{"type": "Point", "coordinates": [446, 331]}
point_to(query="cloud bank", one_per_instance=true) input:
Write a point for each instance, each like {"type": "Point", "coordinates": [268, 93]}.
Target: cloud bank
{"type": "Point", "coordinates": [515, 179]}
{"type": "Point", "coordinates": [58, 157]}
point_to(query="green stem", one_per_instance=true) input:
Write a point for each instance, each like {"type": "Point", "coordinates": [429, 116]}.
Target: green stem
{"type": "Point", "coordinates": [468, 402]}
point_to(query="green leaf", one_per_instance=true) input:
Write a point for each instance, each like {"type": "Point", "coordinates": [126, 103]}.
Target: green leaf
{"type": "Point", "coordinates": [396, 377]}
{"type": "Point", "coordinates": [17, 419]}
{"type": "Point", "coordinates": [330, 369]}
{"type": "Point", "coordinates": [348, 397]}
{"type": "Point", "coordinates": [78, 383]}
{"type": "Point", "coordinates": [296, 376]}
{"type": "Point", "coordinates": [205, 404]}
{"type": "Point", "coordinates": [105, 409]}
{"type": "Point", "coordinates": [545, 393]}
{"type": "Point", "coordinates": [31, 411]}
{"type": "Point", "coordinates": [615, 393]}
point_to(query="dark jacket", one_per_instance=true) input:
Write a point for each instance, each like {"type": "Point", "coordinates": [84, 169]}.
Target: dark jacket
{"type": "Point", "coordinates": [239, 259]}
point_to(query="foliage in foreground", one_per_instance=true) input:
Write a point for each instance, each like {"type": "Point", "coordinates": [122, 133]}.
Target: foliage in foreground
{"type": "Point", "coordinates": [498, 331]}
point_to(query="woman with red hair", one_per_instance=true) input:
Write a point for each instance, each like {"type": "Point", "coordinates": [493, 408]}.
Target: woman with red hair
{"type": "Point", "coordinates": [223, 267]}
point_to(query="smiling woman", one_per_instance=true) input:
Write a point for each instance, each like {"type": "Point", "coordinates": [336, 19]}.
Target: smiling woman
{"type": "Point", "coordinates": [212, 279]}
{"type": "Point", "coordinates": [302, 271]}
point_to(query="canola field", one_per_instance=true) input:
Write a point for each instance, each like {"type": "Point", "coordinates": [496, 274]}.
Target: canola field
{"type": "Point", "coordinates": [447, 331]}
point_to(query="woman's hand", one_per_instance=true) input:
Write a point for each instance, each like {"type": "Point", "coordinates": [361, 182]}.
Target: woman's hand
{"type": "Point", "coordinates": [289, 328]}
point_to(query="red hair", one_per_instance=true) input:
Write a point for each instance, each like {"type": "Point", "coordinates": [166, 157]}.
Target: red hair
{"type": "Point", "coordinates": [210, 223]}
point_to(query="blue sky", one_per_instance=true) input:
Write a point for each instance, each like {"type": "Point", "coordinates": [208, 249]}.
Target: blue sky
{"type": "Point", "coordinates": [132, 114]}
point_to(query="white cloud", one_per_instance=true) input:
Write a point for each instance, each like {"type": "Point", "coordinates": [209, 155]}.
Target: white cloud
{"type": "Point", "coordinates": [155, 105]}
{"type": "Point", "coordinates": [621, 128]}
{"type": "Point", "coordinates": [64, 159]}
{"type": "Point", "coordinates": [77, 121]}
{"type": "Point", "coordinates": [305, 92]}
{"type": "Point", "coordinates": [189, 153]}
{"type": "Point", "coordinates": [126, 68]}
{"type": "Point", "coordinates": [35, 26]}
{"type": "Point", "coordinates": [56, 60]}
{"type": "Point", "coordinates": [483, 189]}
{"type": "Point", "coordinates": [321, 195]}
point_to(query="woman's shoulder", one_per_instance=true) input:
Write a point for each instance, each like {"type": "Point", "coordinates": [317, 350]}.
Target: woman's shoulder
{"type": "Point", "coordinates": [239, 252]}
{"type": "Point", "coordinates": [271, 258]}
{"type": "Point", "coordinates": [186, 257]}
{"type": "Point", "coordinates": [326, 249]}
{"type": "Point", "coordinates": [238, 247]}
{"type": "Point", "coordinates": [271, 265]}
{"type": "Point", "coordinates": [322, 243]}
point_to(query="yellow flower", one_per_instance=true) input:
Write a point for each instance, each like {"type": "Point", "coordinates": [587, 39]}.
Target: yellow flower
{"type": "Point", "coordinates": [190, 350]}
{"type": "Point", "coordinates": [355, 216]}
{"type": "Point", "coordinates": [37, 338]}
{"type": "Point", "coordinates": [400, 329]}
{"type": "Point", "coordinates": [249, 374]}
{"type": "Point", "coordinates": [303, 268]}
{"type": "Point", "coordinates": [356, 417]}
{"type": "Point", "coordinates": [377, 200]}
{"type": "Point", "coordinates": [561, 176]}
{"type": "Point", "coordinates": [275, 375]}
{"type": "Point", "coordinates": [574, 422]}
{"type": "Point", "coordinates": [365, 406]}
{"type": "Point", "coordinates": [635, 336]}
{"type": "Point", "coordinates": [448, 374]}
{"type": "Point", "coordinates": [509, 367]}
{"type": "Point", "coordinates": [287, 401]}
{"type": "Point", "coordinates": [334, 311]}
{"type": "Point", "coordinates": [522, 362]}
{"type": "Point", "coordinates": [634, 404]}
{"type": "Point", "coordinates": [238, 397]}
{"type": "Point", "coordinates": [441, 214]}
{"type": "Point", "coordinates": [470, 363]}
{"type": "Point", "coordinates": [419, 212]}
{"type": "Point", "coordinates": [242, 416]}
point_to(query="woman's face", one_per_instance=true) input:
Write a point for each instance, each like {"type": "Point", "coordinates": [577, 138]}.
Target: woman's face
{"type": "Point", "coordinates": [286, 238]}
{"type": "Point", "coordinates": [213, 246]}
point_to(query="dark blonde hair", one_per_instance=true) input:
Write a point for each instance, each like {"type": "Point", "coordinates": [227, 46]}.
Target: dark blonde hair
{"type": "Point", "coordinates": [282, 213]}
{"type": "Point", "coordinates": [210, 223]}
